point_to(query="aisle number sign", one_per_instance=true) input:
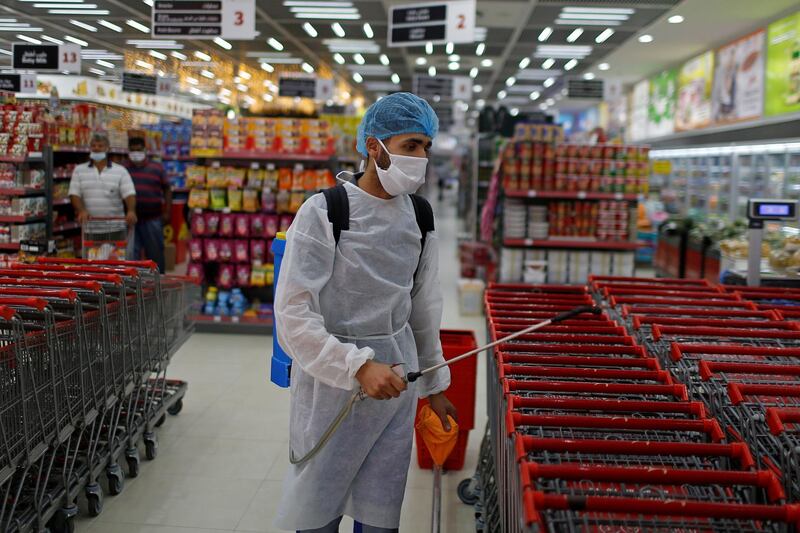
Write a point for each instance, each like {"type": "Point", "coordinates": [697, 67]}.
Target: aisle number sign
{"type": "Point", "coordinates": [437, 23]}
{"type": "Point", "coordinates": [195, 19]}
{"type": "Point", "coordinates": [46, 57]}
{"type": "Point", "coordinates": [311, 87]}
{"type": "Point", "coordinates": [434, 88]}
{"type": "Point", "coordinates": [18, 83]}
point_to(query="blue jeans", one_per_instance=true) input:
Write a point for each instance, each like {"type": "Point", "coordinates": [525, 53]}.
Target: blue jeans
{"type": "Point", "coordinates": [149, 237]}
{"type": "Point", "coordinates": [333, 527]}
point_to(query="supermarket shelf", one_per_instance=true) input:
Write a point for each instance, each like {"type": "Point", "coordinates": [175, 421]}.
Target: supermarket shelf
{"type": "Point", "coordinates": [33, 157]}
{"type": "Point", "coordinates": [572, 244]}
{"type": "Point", "coordinates": [175, 157]}
{"type": "Point", "coordinates": [575, 195]}
{"type": "Point", "coordinates": [181, 189]}
{"type": "Point", "coordinates": [66, 226]}
{"type": "Point", "coordinates": [63, 201]}
{"type": "Point", "coordinates": [228, 324]}
{"type": "Point", "coordinates": [9, 246]}
{"type": "Point", "coordinates": [22, 191]}
{"type": "Point", "coordinates": [267, 156]}
{"type": "Point", "coordinates": [21, 219]}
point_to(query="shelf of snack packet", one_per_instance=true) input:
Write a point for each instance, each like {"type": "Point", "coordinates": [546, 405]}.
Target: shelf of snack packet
{"type": "Point", "coordinates": [573, 195]}
{"type": "Point", "coordinates": [585, 244]}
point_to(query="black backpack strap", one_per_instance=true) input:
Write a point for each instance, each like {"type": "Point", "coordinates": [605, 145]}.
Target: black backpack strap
{"type": "Point", "coordinates": [424, 214]}
{"type": "Point", "coordinates": [338, 209]}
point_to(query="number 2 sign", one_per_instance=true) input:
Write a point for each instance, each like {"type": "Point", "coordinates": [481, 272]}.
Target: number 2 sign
{"type": "Point", "coordinates": [69, 58]}
{"type": "Point", "coordinates": [461, 21]}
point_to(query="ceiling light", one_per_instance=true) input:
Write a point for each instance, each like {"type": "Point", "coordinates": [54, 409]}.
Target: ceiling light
{"type": "Point", "coordinates": [473, 72]}
{"type": "Point", "coordinates": [148, 2]}
{"type": "Point", "coordinates": [110, 25]}
{"type": "Point", "coordinates": [385, 59]}
{"type": "Point", "coordinates": [501, 95]}
{"type": "Point", "coordinates": [675, 19]}
{"type": "Point", "coordinates": [480, 103]}
{"type": "Point", "coordinates": [357, 77]}
{"type": "Point", "coordinates": [337, 29]}
{"type": "Point", "coordinates": [573, 36]}
{"type": "Point", "coordinates": [267, 67]}
{"type": "Point", "coordinates": [571, 64]}
{"type": "Point", "coordinates": [591, 22]}
{"type": "Point", "coordinates": [51, 39]}
{"type": "Point", "coordinates": [588, 75]}
{"type": "Point", "coordinates": [29, 39]}
{"type": "Point", "coordinates": [549, 82]}
{"type": "Point", "coordinates": [431, 71]}
{"type": "Point", "coordinates": [318, 10]}
{"type": "Point", "coordinates": [83, 25]}
{"type": "Point", "coordinates": [219, 82]}
{"type": "Point", "coordinates": [137, 25]}
{"type": "Point", "coordinates": [339, 58]}
{"type": "Point", "coordinates": [310, 30]}
{"type": "Point", "coordinates": [158, 55]}
{"type": "Point", "coordinates": [274, 43]}
{"type": "Point", "coordinates": [604, 35]}
{"type": "Point", "coordinates": [207, 74]}
{"type": "Point", "coordinates": [78, 12]}
{"type": "Point", "coordinates": [19, 28]}
{"type": "Point", "coordinates": [268, 97]}
{"type": "Point", "coordinates": [547, 63]}
{"type": "Point", "coordinates": [225, 91]}
{"type": "Point", "coordinates": [192, 81]}
{"type": "Point", "coordinates": [328, 16]}
{"type": "Point", "coordinates": [222, 43]}
{"type": "Point", "coordinates": [524, 62]}
{"type": "Point", "coordinates": [448, 49]}
{"type": "Point", "coordinates": [352, 46]}
{"type": "Point", "coordinates": [429, 48]}
{"type": "Point", "coordinates": [453, 65]}
{"type": "Point", "coordinates": [244, 74]}
{"type": "Point", "coordinates": [511, 81]}
{"type": "Point", "coordinates": [359, 59]}
{"type": "Point", "coordinates": [143, 64]}
{"type": "Point", "coordinates": [565, 51]}
{"type": "Point", "coordinates": [178, 55]}
{"type": "Point", "coordinates": [368, 31]}
{"type": "Point", "coordinates": [155, 44]}
{"type": "Point", "coordinates": [195, 91]}
{"type": "Point", "coordinates": [242, 88]}
{"type": "Point", "coordinates": [395, 78]}
{"type": "Point", "coordinates": [97, 71]}
{"type": "Point", "coordinates": [545, 34]}
{"type": "Point", "coordinates": [454, 57]}
{"type": "Point", "coordinates": [61, 6]}
{"type": "Point", "coordinates": [646, 38]}
{"type": "Point", "coordinates": [600, 10]}
{"type": "Point", "coordinates": [480, 49]}
{"type": "Point", "coordinates": [104, 63]}
{"type": "Point", "coordinates": [307, 67]}
{"type": "Point", "coordinates": [202, 56]}
{"type": "Point", "coordinates": [603, 66]}
{"type": "Point", "coordinates": [535, 95]}
{"type": "Point", "coordinates": [577, 17]}
{"type": "Point", "coordinates": [75, 40]}
{"type": "Point", "coordinates": [5, 52]}
{"type": "Point", "coordinates": [514, 111]}
{"type": "Point", "coordinates": [312, 3]}
{"type": "Point", "coordinates": [237, 79]}
{"type": "Point", "coordinates": [422, 61]}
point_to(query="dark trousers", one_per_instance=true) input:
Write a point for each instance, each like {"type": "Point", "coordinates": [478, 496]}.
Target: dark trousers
{"type": "Point", "coordinates": [149, 238]}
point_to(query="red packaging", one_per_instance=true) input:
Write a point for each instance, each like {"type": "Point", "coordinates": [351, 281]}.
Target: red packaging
{"type": "Point", "coordinates": [196, 249]}
{"type": "Point", "coordinates": [226, 278]}
{"type": "Point", "coordinates": [286, 221]}
{"type": "Point", "coordinates": [195, 271]}
{"type": "Point", "coordinates": [242, 228]}
{"type": "Point", "coordinates": [212, 223]}
{"type": "Point", "coordinates": [241, 252]}
{"type": "Point", "coordinates": [198, 225]}
{"type": "Point", "coordinates": [211, 247]}
{"type": "Point", "coordinates": [258, 250]}
{"type": "Point", "coordinates": [226, 225]}
{"type": "Point", "coordinates": [242, 275]}
{"type": "Point", "coordinates": [225, 250]}
{"type": "Point", "coordinates": [271, 226]}
{"type": "Point", "coordinates": [258, 225]}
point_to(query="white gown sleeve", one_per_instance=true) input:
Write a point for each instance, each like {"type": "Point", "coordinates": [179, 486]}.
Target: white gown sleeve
{"type": "Point", "coordinates": [306, 267]}
{"type": "Point", "coordinates": [426, 319]}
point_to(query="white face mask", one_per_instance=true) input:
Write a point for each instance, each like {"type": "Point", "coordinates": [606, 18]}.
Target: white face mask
{"type": "Point", "coordinates": [405, 174]}
{"type": "Point", "coordinates": [137, 157]}
{"type": "Point", "coordinates": [97, 156]}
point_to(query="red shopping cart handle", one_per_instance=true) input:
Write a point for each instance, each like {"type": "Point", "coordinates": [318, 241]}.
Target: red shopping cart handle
{"type": "Point", "coordinates": [39, 304]}
{"type": "Point", "coordinates": [737, 391]}
{"type": "Point", "coordinates": [129, 272]}
{"type": "Point", "coordinates": [92, 286]}
{"type": "Point", "coordinates": [74, 276]}
{"type": "Point", "coordinates": [151, 265]}
{"type": "Point", "coordinates": [778, 417]}
{"type": "Point", "coordinates": [709, 369]}
{"type": "Point", "coordinates": [64, 294]}
{"type": "Point", "coordinates": [7, 313]}
{"type": "Point", "coordinates": [607, 405]}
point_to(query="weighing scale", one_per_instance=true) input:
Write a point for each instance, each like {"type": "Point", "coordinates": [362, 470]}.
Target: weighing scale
{"type": "Point", "coordinates": [760, 210]}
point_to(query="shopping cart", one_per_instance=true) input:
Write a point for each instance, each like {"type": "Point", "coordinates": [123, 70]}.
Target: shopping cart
{"type": "Point", "coordinates": [105, 238]}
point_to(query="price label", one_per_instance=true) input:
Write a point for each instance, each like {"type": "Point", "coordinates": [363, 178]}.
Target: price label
{"type": "Point", "coordinates": [531, 194]}
{"type": "Point", "coordinates": [215, 164]}
{"type": "Point", "coordinates": [69, 58]}
{"type": "Point", "coordinates": [239, 19]}
{"type": "Point", "coordinates": [217, 318]}
{"type": "Point", "coordinates": [618, 196]}
{"type": "Point", "coordinates": [235, 319]}
{"type": "Point", "coordinates": [581, 195]}
{"type": "Point", "coordinates": [254, 166]}
{"type": "Point", "coordinates": [528, 242]}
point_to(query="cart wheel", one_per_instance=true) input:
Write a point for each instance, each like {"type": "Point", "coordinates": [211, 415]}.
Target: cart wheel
{"type": "Point", "coordinates": [63, 521]}
{"type": "Point", "coordinates": [116, 480]}
{"type": "Point", "coordinates": [150, 448]}
{"type": "Point", "coordinates": [176, 407]}
{"type": "Point", "coordinates": [94, 499]}
{"type": "Point", "coordinates": [133, 466]}
{"type": "Point", "coordinates": [160, 421]}
{"type": "Point", "coordinates": [465, 494]}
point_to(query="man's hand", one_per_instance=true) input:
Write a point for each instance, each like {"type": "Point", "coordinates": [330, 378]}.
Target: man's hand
{"type": "Point", "coordinates": [130, 218]}
{"type": "Point", "coordinates": [83, 217]}
{"type": "Point", "coordinates": [379, 381]}
{"type": "Point", "coordinates": [442, 407]}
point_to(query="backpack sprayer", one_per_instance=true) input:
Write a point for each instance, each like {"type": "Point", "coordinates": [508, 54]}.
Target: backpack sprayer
{"type": "Point", "coordinates": [414, 376]}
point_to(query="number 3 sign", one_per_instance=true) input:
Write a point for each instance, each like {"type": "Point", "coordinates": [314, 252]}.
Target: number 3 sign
{"type": "Point", "coordinates": [238, 19]}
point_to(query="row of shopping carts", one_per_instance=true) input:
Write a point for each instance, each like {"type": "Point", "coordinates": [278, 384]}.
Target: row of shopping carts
{"type": "Point", "coordinates": [84, 349]}
{"type": "Point", "coordinates": [589, 429]}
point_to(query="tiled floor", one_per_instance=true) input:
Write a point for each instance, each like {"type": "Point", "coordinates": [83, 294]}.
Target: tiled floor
{"type": "Point", "coordinates": [221, 461]}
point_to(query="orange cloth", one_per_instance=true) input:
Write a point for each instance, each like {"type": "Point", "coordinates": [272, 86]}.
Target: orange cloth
{"type": "Point", "coordinates": [439, 442]}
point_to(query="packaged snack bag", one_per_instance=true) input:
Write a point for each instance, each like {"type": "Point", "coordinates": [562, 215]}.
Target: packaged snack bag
{"type": "Point", "coordinates": [196, 249]}
{"type": "Point", "coordinates": [242, 228]}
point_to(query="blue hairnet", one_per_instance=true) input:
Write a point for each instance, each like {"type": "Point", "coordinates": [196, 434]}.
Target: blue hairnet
{"type": "Point", "coordinates": [396, 114]}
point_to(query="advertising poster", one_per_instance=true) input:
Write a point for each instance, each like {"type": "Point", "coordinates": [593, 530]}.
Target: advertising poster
{"type": "Point", "coordinates": [661, 104]}
{"type": "Point", "coordinates": [638, 116]}
{"type": "Point", "coordinates": [783, 66]}
{"type": "Point", "coordinates": [694, 93]}
{"type": "Point", "coordinates": [739, 80]}
{"type": "Point", "coordinates": [616, 109]}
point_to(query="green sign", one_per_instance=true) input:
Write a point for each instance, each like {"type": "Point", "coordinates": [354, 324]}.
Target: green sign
{"type": "Point", "coordinates": [783, 66]}
{"type": "Point", "coordinates": [661, 104]}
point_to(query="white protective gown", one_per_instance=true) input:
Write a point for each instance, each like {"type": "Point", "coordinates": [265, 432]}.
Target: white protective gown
{"type": "Point", "coordinates": [336, 307]}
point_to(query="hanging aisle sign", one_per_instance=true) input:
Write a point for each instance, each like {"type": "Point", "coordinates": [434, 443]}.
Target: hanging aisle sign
{"type": "Point", "coordinates": [443, 87]}
{"type": "Point", "coordinates": [195, 19]}
{"type": "Point", "coordinates": [18, 83]}
{"type": "Point", "coordinates": [43, 57]}
{"type": "Point", "coordinates": [307, 87]}
{"type": "Point", "coordinates": [133, 82]}
{"type": "Point", "coordinates": [438, 23]}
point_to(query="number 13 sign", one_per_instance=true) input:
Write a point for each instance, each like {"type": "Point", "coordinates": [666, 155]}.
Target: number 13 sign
{"type": "Point", "coordinates": [69, 58]}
